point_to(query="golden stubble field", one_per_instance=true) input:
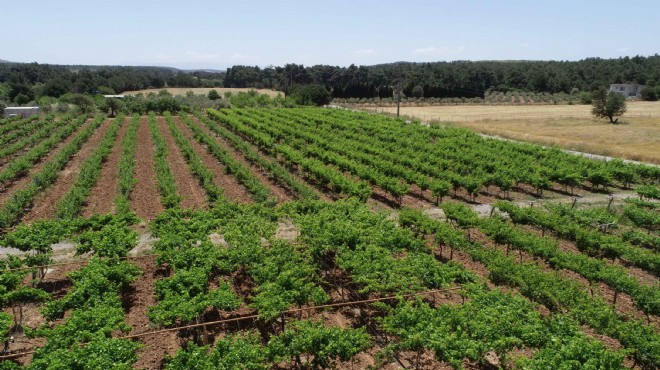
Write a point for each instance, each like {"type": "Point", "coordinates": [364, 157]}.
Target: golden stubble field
{"type": "Point", "coordinates": [636, 137]}
{"type": "Point", "coordinates": [203, 90]}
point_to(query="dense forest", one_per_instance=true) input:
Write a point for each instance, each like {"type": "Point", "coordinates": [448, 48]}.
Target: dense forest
{"type": "Point", "coordinates": [454, 79]}
{"type": "Point", "coordinates": [23, 83]}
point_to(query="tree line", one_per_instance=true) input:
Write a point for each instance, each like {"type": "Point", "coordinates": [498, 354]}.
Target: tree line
{"type": "Point", "coordinates": [453, 79]}
{"type": "Point", "coordinates": [22, 83]}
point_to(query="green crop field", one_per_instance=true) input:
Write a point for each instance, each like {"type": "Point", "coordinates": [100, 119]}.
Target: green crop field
{"type": "Point", "coordinates": [277, 238]}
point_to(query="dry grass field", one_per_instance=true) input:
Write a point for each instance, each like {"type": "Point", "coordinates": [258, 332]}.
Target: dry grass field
{"type": "Point", "coordinates": [636, 137]}
{"type": "Point", "coordinates": [202, 90]}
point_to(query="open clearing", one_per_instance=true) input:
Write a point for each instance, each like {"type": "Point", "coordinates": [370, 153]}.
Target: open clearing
{"type": "Point", "coordinates": [203, 90]}
{"type": "Point", "coordinates": [636, 137]}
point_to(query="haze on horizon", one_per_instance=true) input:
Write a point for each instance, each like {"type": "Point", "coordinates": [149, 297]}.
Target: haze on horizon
{"type": "Point", "coordinates": [217, 34]}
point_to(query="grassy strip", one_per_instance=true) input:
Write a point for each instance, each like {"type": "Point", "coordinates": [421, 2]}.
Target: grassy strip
{"type": "Point", "coordinates": [279, 173]}
{"type": "Point", "coordinates": [127, 167]}
{"type": "Point", "coordinates": [547, 288]}
{"type": "Point", "coordinates": [259, 192]}
{"type": "Point", "coordinates": [16, 206]}
{"type": "Point", "coordinates": [70, 206]}
{"type": "Point", "coordinates": [168, 192]}
{"type": "Point", "coordinates": [20, 166]}
{"type": "Point", "coordinates": [195, 164]}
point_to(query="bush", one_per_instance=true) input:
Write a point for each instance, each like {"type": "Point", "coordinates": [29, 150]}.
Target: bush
{"type": "Point", "coordinates": [312, 94]}
{"type": "Point", "coordinates": [213, 95]}
{"type": "Point", "coordinates": [650, 93]}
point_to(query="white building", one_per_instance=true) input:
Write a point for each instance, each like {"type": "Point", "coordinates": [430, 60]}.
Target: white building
{"type": "Point", "coordinates": [628, 90]}
{"type": "Point", "coordinates": [21, 111]}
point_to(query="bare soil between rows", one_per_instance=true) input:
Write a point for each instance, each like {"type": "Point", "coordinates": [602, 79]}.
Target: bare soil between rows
{"type": "Point", "coordinates": [102, 196]}
{"type": "Point", "coordinates": [280, 193]}
{"type": "Point", "coordinates": [145, 197]}
{"type": "Point", "coordinates": [7, 190]}
{"type": "Point", "coordinates": [45, 205]}
{"type": "Point", "coordinates": [192, 195]}
{"type": "Point", "coordinates": [231, 188]}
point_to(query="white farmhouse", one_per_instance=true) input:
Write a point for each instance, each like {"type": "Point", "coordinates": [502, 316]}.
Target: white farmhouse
{"type": "Point", "coordinates": [628, 90]}
{"type": "Point", "coordinates": [21, 111]}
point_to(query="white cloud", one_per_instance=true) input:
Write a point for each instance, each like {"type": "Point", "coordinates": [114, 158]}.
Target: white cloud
{"type": "Point", "coordinates": [441, 51]}
{"type": "Point", "coordinates": [364, 53]}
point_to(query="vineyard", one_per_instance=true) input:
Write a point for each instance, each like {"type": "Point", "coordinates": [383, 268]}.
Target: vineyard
{"type": "Point", "coordinates": [318, 238]}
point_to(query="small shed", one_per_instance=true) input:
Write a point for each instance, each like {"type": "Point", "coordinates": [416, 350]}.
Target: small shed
{"type": "Point", "coordinates": [24, 112]}
{"type": "Point", "coordinates": [628, 90]}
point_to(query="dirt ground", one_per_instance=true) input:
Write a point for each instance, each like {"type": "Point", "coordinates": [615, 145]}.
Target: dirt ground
{"type": "Point", "coordinates": [45, 205]}
{"type": "Point", "coordinates": [145, 198]}
{"type": "Point", "coordinates": [101, 198]}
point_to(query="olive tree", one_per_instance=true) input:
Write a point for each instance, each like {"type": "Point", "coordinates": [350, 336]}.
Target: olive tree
{"type": "Point", "coordinates": [608, 105]}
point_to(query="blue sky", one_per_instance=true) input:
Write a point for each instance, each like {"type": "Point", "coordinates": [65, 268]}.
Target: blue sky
{"type": "Point", "coordinates": [217, 34]}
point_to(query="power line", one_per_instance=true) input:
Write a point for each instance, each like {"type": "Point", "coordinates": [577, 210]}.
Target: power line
{"type": "Point", "coordinates": [254, 316]}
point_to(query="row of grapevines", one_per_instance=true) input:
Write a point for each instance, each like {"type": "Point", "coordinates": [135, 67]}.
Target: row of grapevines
{"type": "Point", "coordinates": [21, 165]}
{"type": "Point", "coordinates": [25, 130]}
{"type": "Point", "coordinates": [331, 152]}
{"type": "Point", "coordinates": [649, 192]}
{"type": "Point", "coordinates": [379, 257]}
{"type": "Point", "coordinates": [127, 179]}
{"type": "Point", "coordinates": [317, 170]}
{"type": "Point", "coordinates": [11, 124]}
{"type": "Point", "coordinates": [72, 203]}
{"type": "Point", "coordinates": [197, 167]}
{"type": "Point", "coordinates": [84, 338]}
{"type": "Point", "coordinates": [591, 242]}
{"type": "Point", "coordinates": [465, 154]}
{"type": "Point", "coordinates": [493, 321]}
{"type": "Point", "coordinates": [646, 298]}
{"type": "Point", "coordinates": [279, 173]}
{"type": "Point", "coordinates": [29, 140]}
{"type": "Point", "coordinates": [648, 219]}
{"type": "Point", "coordinates": [547, 288]}
{"type": "Point", "coordinates": [166, 184]}
{"type": "Point", "coordinates": [309, 339]}
{"type": "Point", "coordinates": [259, 192]}
{"type": "Point", "coordinates": [15, 207]}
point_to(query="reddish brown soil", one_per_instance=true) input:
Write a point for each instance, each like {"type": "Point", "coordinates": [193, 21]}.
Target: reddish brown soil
{"type": "Point", "coordinates": [231, 188]}
{"type": "Point", "coordinates": [280, 193]}
{"type": "Point", "coordinates": [323, 193]}
{"type": "Point", "coordinates": [45, 205]}
{"type": "Point", "coordinates": [188, 187]}
{"type": "Point", "coordinates": [137, 302]}
{"type": "Point", "coordinates": [7, 190]}
{"type": "Point", "coordinates": [103, 194]}
{"type": "Point", "coordinates": [145, 198]}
